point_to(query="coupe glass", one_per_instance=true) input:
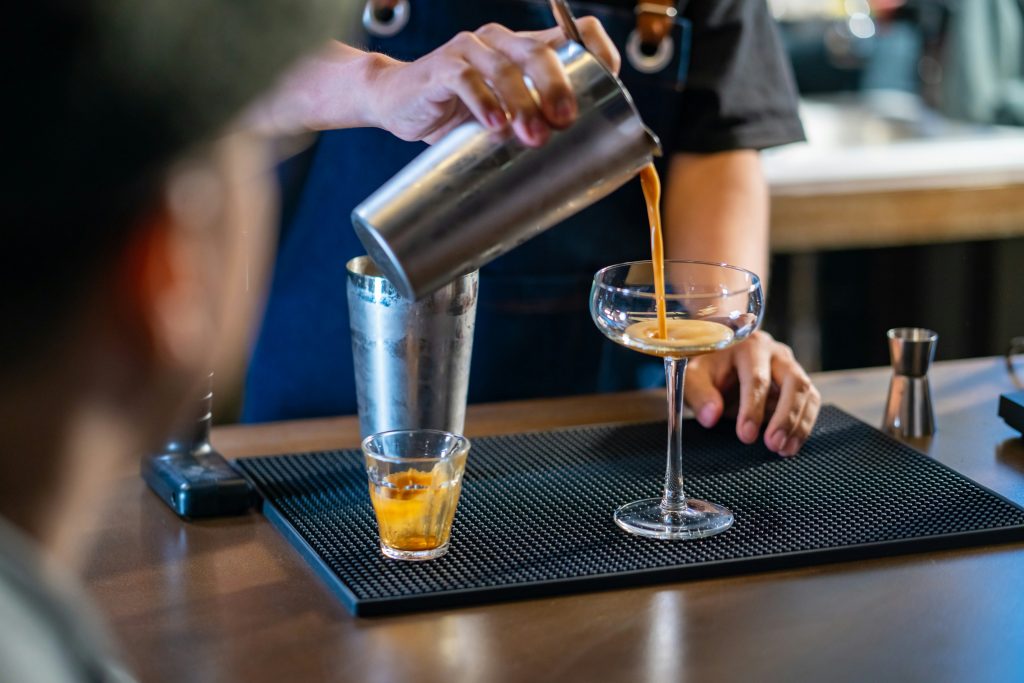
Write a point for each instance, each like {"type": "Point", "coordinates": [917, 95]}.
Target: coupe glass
{"type": "Point", "coordinates": [724, 305]}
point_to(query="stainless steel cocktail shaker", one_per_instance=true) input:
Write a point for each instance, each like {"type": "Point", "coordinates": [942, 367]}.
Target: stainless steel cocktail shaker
{"type": "Point", "coordinates": [411, 358]}
{"type": "Point", "coordinates": [476, 195]}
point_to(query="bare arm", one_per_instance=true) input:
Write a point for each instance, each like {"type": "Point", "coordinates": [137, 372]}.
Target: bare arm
{"type": "Point", "coordinates": [716, 209]}
{"type": "Point", "coordinates": [482, 74]}
{"type": "Point", "coordinates": [310, 97]}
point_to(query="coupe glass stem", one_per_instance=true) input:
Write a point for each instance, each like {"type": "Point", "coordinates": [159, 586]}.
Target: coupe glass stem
{"type": "Point", "coordinates": [674, 500]}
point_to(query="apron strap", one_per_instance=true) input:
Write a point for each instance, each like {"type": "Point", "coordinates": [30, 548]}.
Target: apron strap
{"type": "Point", "coordinates": [654, 21]}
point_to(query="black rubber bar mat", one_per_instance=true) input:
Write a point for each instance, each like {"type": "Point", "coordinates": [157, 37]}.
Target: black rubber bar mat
{"type": "Point", "coordinates": [535, 517]}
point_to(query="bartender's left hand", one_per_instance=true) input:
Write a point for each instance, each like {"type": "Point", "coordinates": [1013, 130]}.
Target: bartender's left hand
{"type": "Point", "coordinates": [761, 383]}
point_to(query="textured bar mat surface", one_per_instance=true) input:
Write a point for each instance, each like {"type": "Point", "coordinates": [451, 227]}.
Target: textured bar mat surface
{"type": "Point", "coordinates": [535, 517]}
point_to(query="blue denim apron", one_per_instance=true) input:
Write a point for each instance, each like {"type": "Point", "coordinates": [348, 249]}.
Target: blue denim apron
{"type": "Point", "coordinates": [534, 336]}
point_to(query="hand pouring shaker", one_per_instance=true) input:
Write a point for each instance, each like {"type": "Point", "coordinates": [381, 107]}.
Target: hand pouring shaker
{"type": "Point", "coordinates": [908, 411]}
{"type": "Point", "coordinates": [476, 194]}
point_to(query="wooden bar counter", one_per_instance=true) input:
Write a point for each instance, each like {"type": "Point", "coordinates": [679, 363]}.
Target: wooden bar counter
{"type": "Point", "coordinates": [229, 600]}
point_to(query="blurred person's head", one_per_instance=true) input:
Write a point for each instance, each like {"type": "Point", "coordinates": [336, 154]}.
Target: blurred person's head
{"type": "Point", "coordinates": [132, 219]}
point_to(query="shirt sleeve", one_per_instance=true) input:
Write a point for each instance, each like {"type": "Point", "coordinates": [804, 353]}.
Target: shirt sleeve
{"type": "Point", "coordinates": [740, 92]}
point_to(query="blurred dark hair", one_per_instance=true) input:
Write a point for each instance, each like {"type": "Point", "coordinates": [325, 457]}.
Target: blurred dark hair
{"type": "Point", "coordinates": [99, 97]}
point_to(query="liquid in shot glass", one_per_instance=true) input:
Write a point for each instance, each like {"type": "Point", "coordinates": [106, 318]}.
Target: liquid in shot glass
{"type": "Point", "coordinates": [415, 478]}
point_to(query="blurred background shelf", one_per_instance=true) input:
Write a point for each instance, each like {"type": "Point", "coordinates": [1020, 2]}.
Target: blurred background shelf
{"type": "Point", "coordinates": [864, 180]}
{"type": "Point", "coordinates": [906, 205]}
{"type": "Point", "coordinates": [881, 222]}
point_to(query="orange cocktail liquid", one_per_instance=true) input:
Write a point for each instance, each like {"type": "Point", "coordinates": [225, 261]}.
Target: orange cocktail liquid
{"type": "Point", "coordinates": [686, 338]}
{"type": "Point", "coordinates": [415, 508]}
{"type": "Point", "coordinates": [652, 193]}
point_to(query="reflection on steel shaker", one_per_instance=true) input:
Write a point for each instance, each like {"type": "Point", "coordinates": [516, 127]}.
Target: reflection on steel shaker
{"type": "Point", "coordinates": [476, 195]}
{"type": "Point", "coordinates": [411, 358]}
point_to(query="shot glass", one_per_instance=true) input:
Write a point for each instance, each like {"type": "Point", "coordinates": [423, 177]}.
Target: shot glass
{"type": "Point", "coordinates": [415, 478]}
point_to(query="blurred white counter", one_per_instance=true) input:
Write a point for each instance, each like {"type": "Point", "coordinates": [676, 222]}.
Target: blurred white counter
{"type": "Point", "coordinates": [908, 177]}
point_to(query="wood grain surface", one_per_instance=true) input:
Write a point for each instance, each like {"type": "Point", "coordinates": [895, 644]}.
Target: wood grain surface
{"type": "Point", "coordinates": [229, 600]}
{"type": "Point", "coordinates": [823, 221]}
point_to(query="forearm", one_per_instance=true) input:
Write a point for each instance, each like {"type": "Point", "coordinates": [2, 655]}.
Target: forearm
{"type": "Point", "coordinates": [332, 89]}
{"type": "Point", "coordinates": [716, 209]}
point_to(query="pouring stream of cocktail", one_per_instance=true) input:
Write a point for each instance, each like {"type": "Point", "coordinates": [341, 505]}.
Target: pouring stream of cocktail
{"type": "Point", "coordinates": [649, 180]}
{"type": "Point", "coordinates": [652, 193]}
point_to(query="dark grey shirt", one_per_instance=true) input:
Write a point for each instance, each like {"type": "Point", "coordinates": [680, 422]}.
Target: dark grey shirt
{"type": "Point", "coordinates": [740, 93]}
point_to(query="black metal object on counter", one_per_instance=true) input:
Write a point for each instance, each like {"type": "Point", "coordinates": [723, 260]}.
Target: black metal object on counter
{"type": "Point", "coordinates": [191, 476]}
{"type": "Point", "coordinates": [1011, 409]}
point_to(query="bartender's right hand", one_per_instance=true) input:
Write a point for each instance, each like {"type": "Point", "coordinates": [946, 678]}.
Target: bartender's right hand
{"type": "Point", "coordinates": [483, 75]}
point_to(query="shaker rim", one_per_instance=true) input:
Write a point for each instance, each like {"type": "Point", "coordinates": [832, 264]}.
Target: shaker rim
{"type": "Point", "coordinates": [912, 334]}
{"type": "Point", "coordinates": [461, 449]}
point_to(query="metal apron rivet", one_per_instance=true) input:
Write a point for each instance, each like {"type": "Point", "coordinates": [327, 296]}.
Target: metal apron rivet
{"type": "Point", "coordinates": [388, 26]}
{"type": "Point", "coordinates": [649, 64]}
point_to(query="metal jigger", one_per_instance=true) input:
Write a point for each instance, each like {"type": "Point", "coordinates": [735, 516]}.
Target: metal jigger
{"type": "Point", "coordinates": [908, 412]}
{"type": "Point", "coordinates": [190, 475]}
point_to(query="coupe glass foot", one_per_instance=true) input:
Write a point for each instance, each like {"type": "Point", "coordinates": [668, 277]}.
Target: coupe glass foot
{"type": "Point", "coordinates": [698, 519]}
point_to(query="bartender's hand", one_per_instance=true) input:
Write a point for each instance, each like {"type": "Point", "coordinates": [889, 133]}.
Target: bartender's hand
{"type": "Point", "coordinates": [482, 74]}
{"type": "Point", "coordinates": [760, 382]}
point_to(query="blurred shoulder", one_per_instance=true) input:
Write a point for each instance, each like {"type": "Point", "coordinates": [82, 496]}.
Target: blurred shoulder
{"type": "Point", "coordinates": [50, 634]}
